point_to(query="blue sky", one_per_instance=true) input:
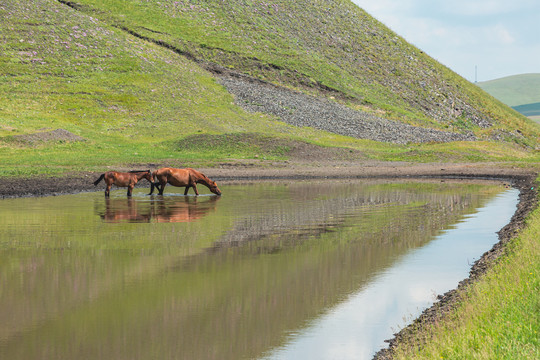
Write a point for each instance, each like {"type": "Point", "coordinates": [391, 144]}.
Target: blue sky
{"type": "Point", "coordinates": [499, 37]}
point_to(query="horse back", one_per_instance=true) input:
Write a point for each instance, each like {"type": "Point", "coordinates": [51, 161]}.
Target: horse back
{"type": "Point", "coordinates": [121, 179]}
{"type": "Point", "coordinates": [176, 177]}
{"type": "Point", "coordinates": [197, 175]}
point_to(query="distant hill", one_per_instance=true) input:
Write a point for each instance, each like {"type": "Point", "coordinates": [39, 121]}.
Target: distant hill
{"type": "Point", "coordinates": [521, 92]}
{"type": "Point", "coordinates": [514, 90]}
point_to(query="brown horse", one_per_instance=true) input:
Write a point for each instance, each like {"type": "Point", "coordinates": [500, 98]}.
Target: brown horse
{"type": "Point", "coordinates": [182, 177]}
{"type": "Point", "coordinates": [124, 179]}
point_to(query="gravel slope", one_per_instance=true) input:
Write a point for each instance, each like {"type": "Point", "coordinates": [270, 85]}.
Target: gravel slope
{"type": "Point", "coordinates": [303, 110]}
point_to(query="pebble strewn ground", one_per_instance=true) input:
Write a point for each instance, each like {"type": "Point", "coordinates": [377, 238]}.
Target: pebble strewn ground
{"type": "Point", "coordinates": [303, 110]}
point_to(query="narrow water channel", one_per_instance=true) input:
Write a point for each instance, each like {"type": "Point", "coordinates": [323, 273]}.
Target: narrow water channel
{"type": "Point", "coordinates": [314, 269]}
{"type": "Point", "coordinates": [357, 327]}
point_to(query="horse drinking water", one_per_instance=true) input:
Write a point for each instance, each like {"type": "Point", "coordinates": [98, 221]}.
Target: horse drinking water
{"type": "Point", "coordinates": [182, 177]}
{"type": "Point", "coordinates": [124, 179]}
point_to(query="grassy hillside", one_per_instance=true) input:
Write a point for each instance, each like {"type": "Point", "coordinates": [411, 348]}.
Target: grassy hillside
{"type": "Point", "coordinates": [128, 98]}
{"type": "Point", "coordinates": [137, 79]}
{"type": "Point", "coordinates": [315, 46]}
{"type": "Point", "coordinates": [515, 90]}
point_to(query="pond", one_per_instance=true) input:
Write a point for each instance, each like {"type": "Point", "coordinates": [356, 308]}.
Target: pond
{"type": "Point", "coordinates": [269, 270]}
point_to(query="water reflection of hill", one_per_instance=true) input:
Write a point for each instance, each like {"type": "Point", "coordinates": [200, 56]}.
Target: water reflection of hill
{"type": "Point", "coordinates": [316, 251]}
{"type": "Point", "coordinates": [314, 210]}
{"type": "Point", "coordinates": [159, 209]}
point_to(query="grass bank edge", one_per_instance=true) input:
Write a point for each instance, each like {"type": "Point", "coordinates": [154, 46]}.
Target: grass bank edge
{"type": "Point", "coordinates": [59, 158]}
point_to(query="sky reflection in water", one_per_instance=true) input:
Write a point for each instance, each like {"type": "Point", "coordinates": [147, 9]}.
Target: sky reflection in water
{"type": "Point", "coordinates": [357, 327]}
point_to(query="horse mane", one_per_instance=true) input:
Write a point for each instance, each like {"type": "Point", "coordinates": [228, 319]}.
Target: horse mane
{"type": "Point", "coordinates": [202, 176]}
{"type": "Point", "coordinates": [138, 171]}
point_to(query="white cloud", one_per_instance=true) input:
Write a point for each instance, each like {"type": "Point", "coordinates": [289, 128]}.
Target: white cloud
{"type": "Point", "coordinates": [386, 6]}
{"type": "Point", "coordinates": [502, 35]}
{"type": "Point", "coordinates": [476, 8]}
{"type": "Point", "coordinates": [485, 8]}
{"type": "Point", "coordinates": [496, 35]}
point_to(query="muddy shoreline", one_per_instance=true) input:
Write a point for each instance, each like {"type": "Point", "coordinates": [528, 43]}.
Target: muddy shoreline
{"type": "Point", "coordinates": [521, 178]}
{"type": "Point", "coordinates": [287, 170]}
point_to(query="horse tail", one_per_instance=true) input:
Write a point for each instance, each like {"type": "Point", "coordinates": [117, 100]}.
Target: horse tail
{"type": "Point", "coordinates": [98, 180]}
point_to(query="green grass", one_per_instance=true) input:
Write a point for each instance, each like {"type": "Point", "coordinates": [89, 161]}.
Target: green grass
{"type": "Point", "coordinates": [500, 315]}
{"type": "Point", "coordinates": [128, 98]}
{"type": "Point", "coordinates": [304, 45]}
{"type": "Point", "coordinates": [136, 102]}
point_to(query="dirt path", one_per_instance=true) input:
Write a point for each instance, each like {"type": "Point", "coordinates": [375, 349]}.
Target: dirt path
{"type": "Point", "coordinates": [523, 179]}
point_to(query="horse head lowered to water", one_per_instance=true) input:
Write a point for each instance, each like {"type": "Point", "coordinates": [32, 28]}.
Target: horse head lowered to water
{"type": "Point", "coordinates": [124, 179]}
{"type": "Point", "coordinates": [182, 178]}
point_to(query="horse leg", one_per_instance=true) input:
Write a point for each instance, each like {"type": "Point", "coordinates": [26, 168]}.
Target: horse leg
{"type": "Point", "coordinates": [158, 180]}
{"type": "Point", "coordinates": [108, 190]}
{"type": "Point", "coordinates": [192, 184]}
{"type": "Point", "coordinates": [162, 188]}
{"type": "Point", "coordinates": [130, 189]}
{"type": "Point", "coordinates": [153, 185]}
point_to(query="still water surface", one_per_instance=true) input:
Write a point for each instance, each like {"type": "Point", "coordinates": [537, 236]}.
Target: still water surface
{"type": "Point", "coordinates": [318, 270]}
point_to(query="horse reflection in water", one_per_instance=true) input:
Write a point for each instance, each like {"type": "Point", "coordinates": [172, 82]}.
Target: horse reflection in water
{"type": "Point", "coordinates": [123, 210]}
{"type": "Point", "coordinates": [161, 210]}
